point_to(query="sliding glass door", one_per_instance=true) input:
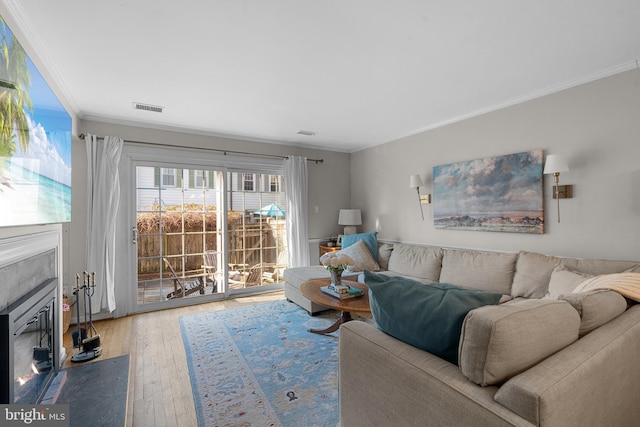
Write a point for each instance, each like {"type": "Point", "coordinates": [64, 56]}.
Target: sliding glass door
{"type": "Point", "coordinates": [206, 232]}
{"type": "Point", "coordinates": [256, 229]}
{"type": "Point", "coordinates": [177, 223]}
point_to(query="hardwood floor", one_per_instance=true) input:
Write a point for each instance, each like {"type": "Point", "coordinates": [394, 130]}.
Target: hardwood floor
{"type": "Point", "coordinates": [159, 387]}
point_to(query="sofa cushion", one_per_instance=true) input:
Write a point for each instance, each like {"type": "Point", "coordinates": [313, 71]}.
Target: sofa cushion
{"type": "Point", "coordinates": [362, 259]}
{"type": "Point", "coordinates": [564, 281]}
{"type": "Point", "coordinates": [600, 266]}
{"type": "Point", "coordinates": [424, 262]}
{"type": "Point", "coordinates": [370, 239]}
{"type": "Point", "coordinates": [595, 307]}
{"type": "Point", "coordinates": [490, 271]}
{"type": "Point", "coordinates": [428, 317]}
{"type": "Point", "coordinates": [498, 342]}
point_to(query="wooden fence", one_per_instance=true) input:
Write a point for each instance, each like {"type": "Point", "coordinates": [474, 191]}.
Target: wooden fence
{"type": "Point", "coordinates": [250, 241]}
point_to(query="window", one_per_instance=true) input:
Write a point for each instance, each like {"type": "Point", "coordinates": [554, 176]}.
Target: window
{"type": "Point", "coordinates": [168, 177]}
{"type": "Point", "coordinates": [275, 184]}
{"type": "Point", "coordinates": [201, 179]}
{"type": "Point", "coordinates": [248, 182]}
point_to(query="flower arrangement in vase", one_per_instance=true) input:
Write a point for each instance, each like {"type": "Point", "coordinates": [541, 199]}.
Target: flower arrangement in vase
{"type": "Point", "coordinates": [336, 263]}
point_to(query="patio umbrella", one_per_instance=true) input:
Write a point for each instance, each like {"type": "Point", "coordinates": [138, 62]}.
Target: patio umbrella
{"type": "Point", "coordinates": [270, 210]}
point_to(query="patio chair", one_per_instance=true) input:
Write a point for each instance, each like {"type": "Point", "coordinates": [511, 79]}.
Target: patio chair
{"type": "Point", "coordinates": [278, 268]}
{"type": "Point", "coordinates": [211, 270]}
{"type": "Point", "coordinates": [182, 288]}
{"type": "Point", "coordinates": [253, 278]}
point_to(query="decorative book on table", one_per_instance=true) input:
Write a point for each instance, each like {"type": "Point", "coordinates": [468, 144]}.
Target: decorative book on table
{"type": "Point", "coordinates": [351, 292]}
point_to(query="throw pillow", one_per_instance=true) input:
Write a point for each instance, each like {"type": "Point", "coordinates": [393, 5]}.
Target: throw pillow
{"type": "Point", "coordinates": [361, 257]}
{"type": "Point", "coordinates": [370, 239]}
{"type": "Point", "coordinates": [564, 281]}
{"type": "Point", "coordinates": [384, 254]}
{"type": "Point", "coordinates": [428, 317]}
{"type": "Point", "coordinates": [533, 271]}
{"type": "Point", "coordinates": [499, 342]}
{"type": "Point", "coordinates": [596, 307]}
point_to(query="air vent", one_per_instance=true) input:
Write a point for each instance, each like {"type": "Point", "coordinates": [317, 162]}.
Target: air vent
{"type": "Point", "coordinates": [147, 107]}
{"type": "Point", "coordinates": [306, 132]}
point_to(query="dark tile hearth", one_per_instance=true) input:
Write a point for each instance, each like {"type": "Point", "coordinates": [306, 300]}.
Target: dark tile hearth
{"type": "Point", "coordinates": [96, 392]}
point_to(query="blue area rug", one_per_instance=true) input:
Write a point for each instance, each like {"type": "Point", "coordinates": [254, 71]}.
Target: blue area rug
{"type": "Point", "coordinates": [259, 366]}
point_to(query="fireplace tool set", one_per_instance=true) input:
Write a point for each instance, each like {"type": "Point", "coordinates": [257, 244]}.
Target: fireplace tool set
{"type": "Point", "coordinates": [86, 338]}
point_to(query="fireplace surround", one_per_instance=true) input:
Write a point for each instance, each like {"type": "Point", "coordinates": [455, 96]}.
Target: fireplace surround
{"type": "Point", "coordinates": [28, 343]}
{"type": "Point", "coordinates": [31, 307]}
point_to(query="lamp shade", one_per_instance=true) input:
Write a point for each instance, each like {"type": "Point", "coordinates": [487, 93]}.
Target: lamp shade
{"type": "Point", "coordinates": [555, 163]}
{"type": "Point", "coordinates": [350, 217]}
{"type": "Point", "coordinates": [415, 181]}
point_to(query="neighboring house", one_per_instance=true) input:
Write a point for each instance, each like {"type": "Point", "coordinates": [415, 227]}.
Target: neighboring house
{"type": "Point", "coordinates": [172, 187]}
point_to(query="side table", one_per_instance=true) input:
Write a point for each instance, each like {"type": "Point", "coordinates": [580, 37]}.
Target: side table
{"type": "Point", "coordinates": [324, 249]}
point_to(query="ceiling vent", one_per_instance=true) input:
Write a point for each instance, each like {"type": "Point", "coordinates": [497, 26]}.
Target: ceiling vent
{"type": "Point", "coordinates": [306, 132]}
{"type": "Point", "coordinates": [147, 107]}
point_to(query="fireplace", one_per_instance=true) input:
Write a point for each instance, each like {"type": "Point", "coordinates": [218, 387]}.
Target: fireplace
{"type": "Point", "coordinates": [31, 349]}
{"type": "Point", "coordinates": [28, 343]}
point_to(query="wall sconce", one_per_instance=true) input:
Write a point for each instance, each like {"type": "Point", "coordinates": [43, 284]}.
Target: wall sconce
{"type": "Point", "coordinates": [350, 218]}
{"type": "Point", "coordinates": [555, 164]}
{"type": "Point", "coordinates": [416, 182]}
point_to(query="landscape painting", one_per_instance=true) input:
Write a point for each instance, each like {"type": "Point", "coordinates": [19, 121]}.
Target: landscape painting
{"type": "Point", "coordinates": [503, 193]}
{"type": "Point", "coordinates": [35, 142]}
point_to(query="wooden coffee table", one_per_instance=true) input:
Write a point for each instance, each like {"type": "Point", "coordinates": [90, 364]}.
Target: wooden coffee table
{"type": "Point", "coordinates": [311, 289]}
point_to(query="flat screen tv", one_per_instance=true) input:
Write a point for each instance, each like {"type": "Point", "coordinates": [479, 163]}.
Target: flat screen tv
{"type": "Point", "coordinates": [35, 142]}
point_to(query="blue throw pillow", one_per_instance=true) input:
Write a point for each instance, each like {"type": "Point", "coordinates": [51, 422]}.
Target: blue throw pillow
{"type": "Point", "coordinates": [370, 239]}
{"type": "Point", "coordinates": [428, 317]}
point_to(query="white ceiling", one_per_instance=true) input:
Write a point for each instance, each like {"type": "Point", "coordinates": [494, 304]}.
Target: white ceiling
{"type": "Point", "coordinates": [357, 72]}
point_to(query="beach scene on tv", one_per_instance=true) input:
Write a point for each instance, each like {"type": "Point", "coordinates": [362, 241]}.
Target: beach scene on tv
{"type": "Point", "coordinates": [35, 142]}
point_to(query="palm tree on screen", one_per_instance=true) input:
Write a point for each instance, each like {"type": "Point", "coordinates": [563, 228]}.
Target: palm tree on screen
{"type": "Point", "coordinates": [15, 82]}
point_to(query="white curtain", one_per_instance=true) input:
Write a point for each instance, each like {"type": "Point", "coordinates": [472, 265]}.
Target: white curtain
{"type": "Point", "coordinates": [295, 182]}
{"type": "Point", "coordinates": [103, 196]}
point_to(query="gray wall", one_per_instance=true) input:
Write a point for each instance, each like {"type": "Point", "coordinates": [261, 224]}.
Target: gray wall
{"type": "Point", "coordinates": [596, 126]}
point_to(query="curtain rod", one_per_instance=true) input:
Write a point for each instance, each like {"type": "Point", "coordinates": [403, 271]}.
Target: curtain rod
{"type": "Point", "coordinates": [225, 152]}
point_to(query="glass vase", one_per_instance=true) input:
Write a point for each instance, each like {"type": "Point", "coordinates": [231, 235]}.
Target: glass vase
{"type": "Point", "coordinates": [336, 277]}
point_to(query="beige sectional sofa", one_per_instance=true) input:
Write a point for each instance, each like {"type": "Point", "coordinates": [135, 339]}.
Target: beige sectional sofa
{"type": "Point", "coordinates": [547, 357]}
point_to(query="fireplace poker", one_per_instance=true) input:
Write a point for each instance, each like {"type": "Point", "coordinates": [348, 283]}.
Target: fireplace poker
{"type": "Point", "coordinates": [90, 345]}
{"type": "Point", "coordinates": [79, 334]}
